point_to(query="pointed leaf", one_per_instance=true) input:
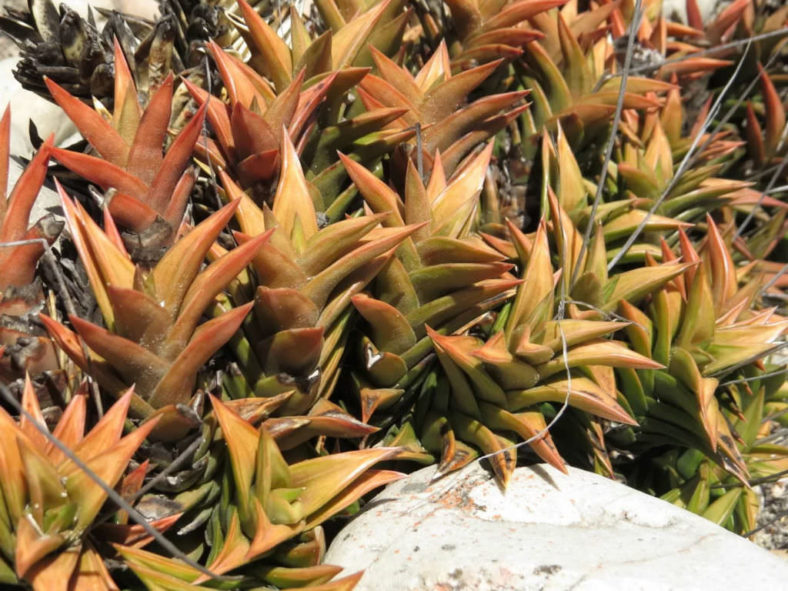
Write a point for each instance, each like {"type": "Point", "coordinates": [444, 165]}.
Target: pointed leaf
{"type": "Point", "coordinates": [13, 225]}
{"type": "Point", "coordinates": [325, 477]}
{"type": "Point", "coordinates": [584, 394]}
{"type": "Point", "coordinates": [134, 363]}
{"type": "Point", "coordinates": [32, 547]}
{"type": "Point", "coordinates": [454, 207]}
{"type": "Point", "coordinates": [177, 384]}
{"type": "Point", "coordinates": [274, 55]}
{"type": "Point", "coordinates": [105, 434]}
{"type": "Point", "coordinates": [109, 466]}
{"type": "Point", "coordinates": [293, 205]}
{"type": "Point", "coordinates": [241, 439]}
{"type": "Point", "coordinates": [208, 284]}
{"type": "Point", "coordinates": [637, 283]}
{"type": "Point", "coordinates": [70, 428]}
{"type": "Point", "coordinates": [175, 272]}
{"type": "Point", "coordinates": [775, 112]}
{"type": "Point", "coordinates": [175, 162]}
{"type": "Point", "coordinates": [391, 331]}
{"type": "Point", "coordinates": [607, 353]}
{"type": "Point", "coordinates": [93, 127]}
{"type": "Point", "coordinates": [105, 174]}
{"type": "Point", "coordinates": [145, 156]}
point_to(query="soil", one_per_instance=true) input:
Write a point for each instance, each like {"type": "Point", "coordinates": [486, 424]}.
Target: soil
{"type": "Point", "coordinates": [774, 518]}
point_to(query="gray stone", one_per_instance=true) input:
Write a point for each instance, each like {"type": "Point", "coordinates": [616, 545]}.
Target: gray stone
{"type": "Point", "coordinates": [547, 531]}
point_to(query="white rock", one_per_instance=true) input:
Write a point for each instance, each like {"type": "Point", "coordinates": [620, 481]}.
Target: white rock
{"type": "Point", "coordinates": [548, 531]}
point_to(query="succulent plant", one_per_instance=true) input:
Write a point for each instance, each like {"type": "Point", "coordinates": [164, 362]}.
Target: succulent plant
{"type": "Point", "coordinates": [52, 523]}
{"type": "Point", "coordinates": [152, 338]}
{"type": "Point", "coordinates": [21, 246]}
{"type": "Point", "coordinates": [142, 184]}
{"type": "Point", "coordinates": [341, 243]}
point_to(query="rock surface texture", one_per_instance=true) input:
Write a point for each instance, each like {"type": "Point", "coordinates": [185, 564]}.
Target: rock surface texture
{"type": "Point", "coordinates": [548, 531]}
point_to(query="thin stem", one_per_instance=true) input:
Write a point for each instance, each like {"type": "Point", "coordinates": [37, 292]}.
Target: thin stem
{"type": "Point", "coordinates": [754, 482]}
{"type": "Point", "coordinates": [754, 378]}
{"type": "Point", "coordinates": [769, 189]}
{"type": "Point", "coordinates": [419, 154]}
{"type": "Point", "coordinates": [711, 51]}
{"type": "Point", "coordinates": [685, 164]}
{"type": "Point", "coordinates": [634, 25]}
{"type": "Point", "coordinates": [171, 467]}
{"type": "Point", "coordinates": [774, 279]}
